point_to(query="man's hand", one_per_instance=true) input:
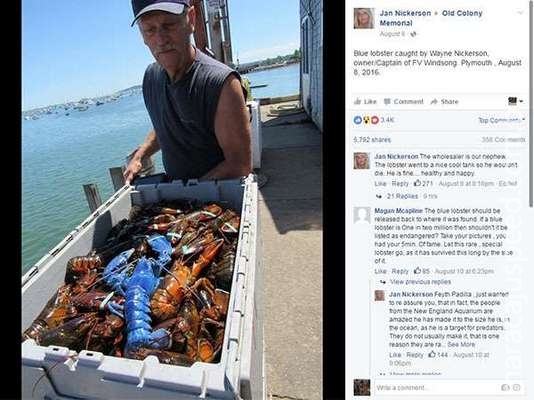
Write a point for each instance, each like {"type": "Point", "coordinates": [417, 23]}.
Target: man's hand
{"type": "Point", "coordinates": [133, 168]}
{"type": "Point", "coordinates": [147, 149]}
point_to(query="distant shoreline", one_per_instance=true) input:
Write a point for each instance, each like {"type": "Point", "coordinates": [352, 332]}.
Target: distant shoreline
{"type": "Point", "coordinates": [80, 105]}
{"type": "Point", "coordinates": [265, 67]}
{"type": "Point", "coordinates": [83, 104]}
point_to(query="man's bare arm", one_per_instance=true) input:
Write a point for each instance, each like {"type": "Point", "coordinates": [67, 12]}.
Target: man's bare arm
{"type": "Point", "coordinates": [232, 129]}
{"type": "Point", "coordinates": [149, 147]}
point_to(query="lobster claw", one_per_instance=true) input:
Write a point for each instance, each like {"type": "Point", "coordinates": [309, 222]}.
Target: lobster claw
{"type": "Point", "coordinates": [161, 245]}
{"type": "Point", "coordinates": [116, 309]}
{"type": "Point", "coordinates": [112, 276]}
{"type": "Point", "coordinates": [161, 339]}
{"type": "Point", "coordinates": [158, 339]}
{"type": "Point", "coordinates": [118, 261]}
{"type": "Point", "coordinates": [187, 250]}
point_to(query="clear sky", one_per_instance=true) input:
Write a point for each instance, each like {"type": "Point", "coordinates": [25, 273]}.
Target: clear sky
{"type": "Point", "coordinates": [73, 49]}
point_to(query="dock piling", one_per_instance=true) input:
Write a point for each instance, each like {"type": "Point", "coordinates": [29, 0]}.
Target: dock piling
{"type": "Point", "coordinates": [92, 195]}
{"type": "Point", "coordinates": [117, 177]}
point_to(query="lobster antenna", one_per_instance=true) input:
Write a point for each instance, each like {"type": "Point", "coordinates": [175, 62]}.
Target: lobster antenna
{"type": "Point", "coordinates": [46, 372]}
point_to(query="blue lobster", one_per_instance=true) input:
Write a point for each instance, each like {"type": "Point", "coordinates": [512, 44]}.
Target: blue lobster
{"type": "Point", "coordinates": [138, 289]}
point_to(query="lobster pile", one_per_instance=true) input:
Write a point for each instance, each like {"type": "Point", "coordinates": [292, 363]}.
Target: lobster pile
{"type": "Point", "coordinates": [158, 286]}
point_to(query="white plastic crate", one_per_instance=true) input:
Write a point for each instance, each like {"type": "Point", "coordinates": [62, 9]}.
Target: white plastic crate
{"type": "Point", "coordinates": [256, 139]}
{"type": "Point", "coordinates": [56, 372]}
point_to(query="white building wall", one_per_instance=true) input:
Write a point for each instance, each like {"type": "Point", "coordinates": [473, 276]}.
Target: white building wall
{"type": "Point", "coordinates": [314, 9]}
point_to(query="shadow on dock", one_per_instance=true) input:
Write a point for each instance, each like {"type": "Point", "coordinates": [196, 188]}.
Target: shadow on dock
{"type": "Point", "coordinates": [291, 234]}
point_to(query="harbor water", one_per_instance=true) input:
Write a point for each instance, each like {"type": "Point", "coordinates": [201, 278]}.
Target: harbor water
{"type": "Point", "coordinates": [63, 151]}
{"type": "Point", "coordinates": [283, 81]}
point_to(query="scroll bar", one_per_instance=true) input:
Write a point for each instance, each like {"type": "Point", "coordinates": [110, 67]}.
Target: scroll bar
{"type": "Point", "coordinates": [530, 113]}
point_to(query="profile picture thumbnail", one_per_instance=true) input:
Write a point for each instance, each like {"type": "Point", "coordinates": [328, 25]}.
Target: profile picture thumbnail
{"type": "Point", "coordinates": [380, 295]}
{"type": "Point", "coordinates": [362, 215]}
{"type": "Point", "coordinates": [362, 387]}
{"type": "Point", "coordinates": [364, 18]}
{"type": "Point", "coordinates": [361, 160]}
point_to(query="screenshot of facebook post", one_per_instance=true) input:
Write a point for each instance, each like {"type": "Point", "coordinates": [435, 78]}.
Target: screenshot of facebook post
{"type": "Point", "coordinates": [439, 199]}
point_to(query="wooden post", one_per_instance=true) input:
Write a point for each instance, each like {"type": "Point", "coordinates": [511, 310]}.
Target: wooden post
{"type": "Point", "coordinates": [227, 44]}
{"type": "Point", "coordinates": [215, 29]}
{"type": "Point", "coordinates": [117, 177]}
{"type": "Point", "coordinates": [93, 196]}
{"type": "Point", "coordinates": [201, 38]}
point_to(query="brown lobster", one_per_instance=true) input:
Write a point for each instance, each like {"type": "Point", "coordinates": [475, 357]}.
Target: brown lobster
{"type": "Point", "coordinates": [222, 271]}
{"type": "Point", "coordinates": [106, 334]}
{"type": "Point", "coordinates": [167, 298]}
{"type": "Point", "coordinates": [71, 334]}
{"type": "Point", "coordinates": [184, 328]}
{"type": "Point", "coordinates": [210, 340]}
{"type": "Point", "coordinates": [57, 310]}
{"type": "Point", "coordinates": [81, 265]}
{"type": "Point", "coordinates": [164, 356]}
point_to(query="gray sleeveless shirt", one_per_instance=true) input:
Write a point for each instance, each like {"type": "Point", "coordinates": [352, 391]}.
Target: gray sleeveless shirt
{"type": "Point", "coordinates": [183, 115]}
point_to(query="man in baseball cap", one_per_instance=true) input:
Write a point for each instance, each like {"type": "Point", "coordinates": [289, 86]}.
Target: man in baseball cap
{"type": "Point", "coordinates": [196, 104]}
{"type": "Point", "coordinates": [172, 6]}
